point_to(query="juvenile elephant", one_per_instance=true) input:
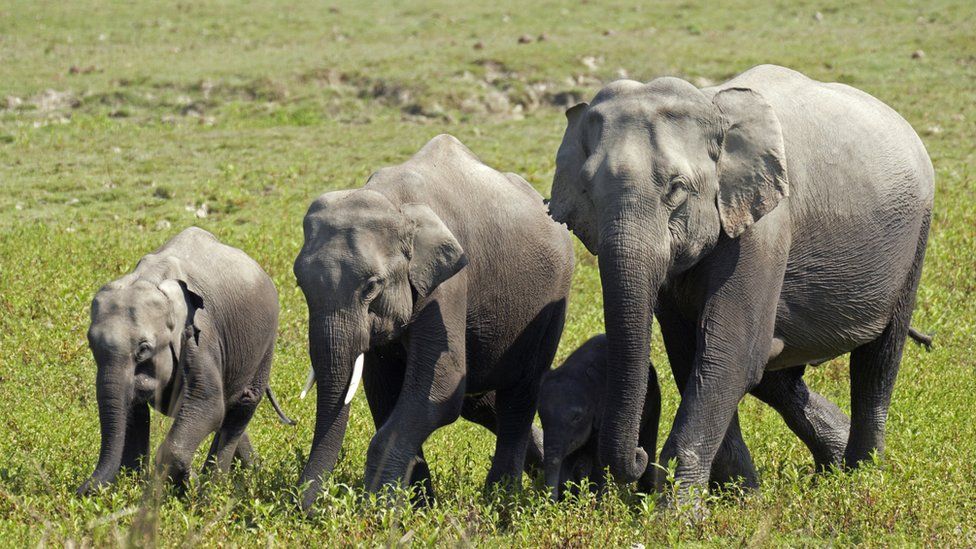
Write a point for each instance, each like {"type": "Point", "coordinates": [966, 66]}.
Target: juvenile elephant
{"type": "Point", "coordinates": [190, 332]}
{"type": "Point", "coordinates": [453, 281]}
{"type": "Point", "coordinates": [771, 221]}
{"type": "Point", "coordinates": [571, 404]}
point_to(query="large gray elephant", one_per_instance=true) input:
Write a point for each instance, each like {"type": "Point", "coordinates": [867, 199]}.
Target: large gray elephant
{"type": "Point", "coordinates": [770, 222]}
{"type": "Point", "coordinates": [191, 333]}
{"type": "Point", "coordinates": [453, 280]}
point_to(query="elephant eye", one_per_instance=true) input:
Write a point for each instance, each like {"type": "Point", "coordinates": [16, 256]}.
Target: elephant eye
{"type": "Point", "coordinates": [143, 352]}
{"type": "Point", "coordinates": [371, 289]}
{"type": "Point", "coordinates": [677, 191]}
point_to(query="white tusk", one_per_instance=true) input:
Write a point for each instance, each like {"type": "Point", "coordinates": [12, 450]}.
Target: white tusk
{"type": "Point", "coordinates": [308, 383]}
{"type": "Point", "coordinates": [357, 376]}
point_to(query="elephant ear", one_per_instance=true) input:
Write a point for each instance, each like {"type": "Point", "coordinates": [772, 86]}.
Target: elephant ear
{"type": "Point", "coordinates": [184, 303]}
{"type": "Point", "coordinates": [436, 255]}
{"type": "Point", "coordinates": [569, 160]}
{"type": "Point", "coordinates": [752, 160]}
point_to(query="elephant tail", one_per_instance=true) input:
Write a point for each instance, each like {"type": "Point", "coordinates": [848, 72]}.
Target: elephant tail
{"type": "Point", "coordinates": [277, 407]}
{"type": "Point", "coordinates": [921, 338]}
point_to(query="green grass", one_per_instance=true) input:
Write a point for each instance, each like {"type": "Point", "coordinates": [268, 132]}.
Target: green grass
{"type": "Point", "coordinates": [255, 109]}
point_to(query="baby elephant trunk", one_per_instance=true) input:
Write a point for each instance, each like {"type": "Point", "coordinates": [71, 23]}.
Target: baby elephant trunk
{"type": "Point", "coordinates": [553, 469]}
{"type": "Point", "coordinates": [113, 416]}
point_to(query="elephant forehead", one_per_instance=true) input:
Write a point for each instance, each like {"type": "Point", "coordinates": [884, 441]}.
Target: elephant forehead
{"type": "Point", "coordinates": [358, 251]}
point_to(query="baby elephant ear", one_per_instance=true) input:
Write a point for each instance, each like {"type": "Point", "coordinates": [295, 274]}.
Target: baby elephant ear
{"type": "Point", "coordinates": [752, 160]}
{"type": "Point", "coordinates": [436, 255]}
{"type": "Point", "coordinates": [183, 305]}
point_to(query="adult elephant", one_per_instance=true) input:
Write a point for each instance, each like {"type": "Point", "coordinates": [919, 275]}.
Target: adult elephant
{"type": "Point", "coordinates": [770, 222]}
{"type": "Point", "coordinates": [453, 280]}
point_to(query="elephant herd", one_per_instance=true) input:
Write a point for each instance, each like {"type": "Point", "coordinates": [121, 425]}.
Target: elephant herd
{"type": "Point", "coordinates": [769, 223]}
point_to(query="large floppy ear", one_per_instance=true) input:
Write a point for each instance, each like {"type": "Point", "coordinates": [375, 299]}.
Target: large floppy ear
{"type": "Point", "coordinates": [436, 255]}
{"type": "Point", "coordinates": [751, 160]}
{"type": "Point", "coordinates": [184, 303]}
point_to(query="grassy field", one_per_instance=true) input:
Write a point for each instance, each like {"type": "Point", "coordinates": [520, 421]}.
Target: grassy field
{"type": "Point", "coordinates": [120, 125]}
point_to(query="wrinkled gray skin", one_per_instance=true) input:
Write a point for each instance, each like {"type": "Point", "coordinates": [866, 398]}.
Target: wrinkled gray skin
{"type": "Point", "coordinates": [770, 222]}
{"type": "Point", "coordinates": [190, 332]}
{"type": "Point", "coordinates": [571, 404]}
{"type": "Point", "coordinates": [453, 280]}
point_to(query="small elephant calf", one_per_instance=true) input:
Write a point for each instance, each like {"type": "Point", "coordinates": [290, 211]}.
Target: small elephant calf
{"type": "Point", "coordinates": [190, 332]}
{"type": "Point", "coordinates": [571, 404]}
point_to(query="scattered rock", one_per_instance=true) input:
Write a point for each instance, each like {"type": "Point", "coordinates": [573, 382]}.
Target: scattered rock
{"type": "Point", "coordinates": [51, 100]}
{"type": "Point", "coordinates": [163, 225]}
{"type": "Point", "coordinates": [12, 102]}
{"type": "Point", "coordinates": [202, 211]}
{"type": "Point", "coordinates": [19, 206]}
{"type": "Point", "coordinates": [591, 62]}
{"type": "Point", "coordinates": [72, 202]}
{"type": "Point", "coordinates": [818, 16]}
{"type": "Point", "coordinates": [81, 70]}
{"type": "Point", "coordinates": [609, 32]}
{"type": "Point", "coordinates": [933, 130]}
{"type": "Point", "coordinates": [525, 39]}
{"type": "Point", "coordinates": [622, 73]}
{"type": "Point", "coordinates": [497, 102]}
{"type": "Point", "coordinates": [918, 54]}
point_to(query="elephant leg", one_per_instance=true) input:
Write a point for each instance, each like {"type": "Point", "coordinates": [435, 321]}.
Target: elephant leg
{"type": "Point", "coordinates": [226, 440]}
{"type": "Point", "coordinates": [732, 461]}
{"type": "Point", "coordinates": [516, 404]}
{"type": "Point", "coordinates": [819, 423]}
{"type": "Point", "coordinates": [195, 420]}
{"type": "Point", "coordinates": [244, 453]}
{"type": "Point", "coordinates": [136, 446]}
{"type": "Point", "coordinates": [743, 282]}
{"type": "Point", "coordinates": [480, 409]}
{"type": "Point", "coordinates": [874, 367]}
{"type": "Point", "coordinates": [382, 381]}
{"type": "Point", "coordinates": [431, 395]}
{"type": "Point", "coordinates": [201, 410]}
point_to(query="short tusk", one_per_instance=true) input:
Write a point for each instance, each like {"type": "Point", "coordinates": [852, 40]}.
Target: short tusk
{"type": "Point", "coordinates": [308, 383]}
{"type": "Point", "coordinates": [357, 376]}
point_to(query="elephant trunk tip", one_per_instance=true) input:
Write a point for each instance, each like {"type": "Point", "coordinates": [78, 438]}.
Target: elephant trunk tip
{"type": "Point", "coordinates": [624, 468]}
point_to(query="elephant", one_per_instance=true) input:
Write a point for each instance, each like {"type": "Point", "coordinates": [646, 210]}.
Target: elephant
{"type": "Point", "coordinates": [571, 404]}
{"type": "Point", "coordinates": [768, 222]}
{"type": "Point", "coordinates": [452, 281]}
{"type": "Point", "coordinates": [190, 332]}
{"type": "Point", "coordinates": [572, 400]}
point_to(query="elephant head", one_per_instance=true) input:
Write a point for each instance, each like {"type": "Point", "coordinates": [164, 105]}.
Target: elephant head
{"type": "Point", "coordinates": [650, 177]}
{"type": "Point", "coordinates": [136, 335]}
{"type": "Point", "coordinates": [365, 265]}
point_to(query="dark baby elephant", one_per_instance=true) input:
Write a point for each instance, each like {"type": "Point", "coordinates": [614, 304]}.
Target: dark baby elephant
{"type": "Point", "coordinates": [769, 222]}
{"type": "Point", "coordinates": [453, 281]}
{"type": "Point", "coordinates": [191, 333]}
{"type": "Point", "coordinates": [571, 404]}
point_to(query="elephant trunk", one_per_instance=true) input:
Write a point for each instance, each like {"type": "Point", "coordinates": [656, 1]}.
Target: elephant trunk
{"type": "Point", "coordinates": [631, 275]}
{"type": "Point", "coordinates": [114, 400]}
{"type": "Point", "coordinates": [333, 348]}
{"type": "Point", "coordinates": [553, 469]}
